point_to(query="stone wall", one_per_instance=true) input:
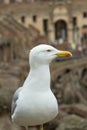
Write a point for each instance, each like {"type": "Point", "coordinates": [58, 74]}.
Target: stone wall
{"type": "Point", "coordinates": [20, 38]}
{"type": "Point", "coordinates": [33, 13]}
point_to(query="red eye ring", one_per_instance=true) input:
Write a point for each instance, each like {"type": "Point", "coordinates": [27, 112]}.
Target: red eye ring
{"type": "Point", "coordinates": [48, 50]}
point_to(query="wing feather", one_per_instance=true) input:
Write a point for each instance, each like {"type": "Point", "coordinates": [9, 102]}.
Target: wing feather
{"type": "Point", "coordinates": [14, 100]}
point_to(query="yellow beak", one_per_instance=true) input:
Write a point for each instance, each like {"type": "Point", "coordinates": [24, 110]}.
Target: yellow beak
{"type": "Point", "coordinates": [64, 54]}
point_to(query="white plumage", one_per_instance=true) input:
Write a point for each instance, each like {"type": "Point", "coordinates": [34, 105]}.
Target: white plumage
{"type": "Point", "coordinates": [34, 103]}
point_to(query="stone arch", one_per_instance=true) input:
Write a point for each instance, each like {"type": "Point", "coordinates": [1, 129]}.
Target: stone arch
{"type": "Point", "coordinates": [57, 10]}
{"type": "Point", "coordinates": [60, 13]}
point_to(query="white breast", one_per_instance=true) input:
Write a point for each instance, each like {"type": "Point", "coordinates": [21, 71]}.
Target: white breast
{"type": "Point", "coordinates": [35, 109]}
{"type": "Point", "coordinates": [36, 104]}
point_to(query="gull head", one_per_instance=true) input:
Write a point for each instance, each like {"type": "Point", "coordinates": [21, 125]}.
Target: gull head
{"type": "Point", "coordinates": [44, 54]}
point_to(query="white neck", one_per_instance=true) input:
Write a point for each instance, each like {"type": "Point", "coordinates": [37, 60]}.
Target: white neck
{"type": "Point", "coordinates": [37, 77]}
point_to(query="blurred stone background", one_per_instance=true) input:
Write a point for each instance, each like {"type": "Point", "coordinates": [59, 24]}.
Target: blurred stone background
{"type": "Point", "coordinates": [68, 76]}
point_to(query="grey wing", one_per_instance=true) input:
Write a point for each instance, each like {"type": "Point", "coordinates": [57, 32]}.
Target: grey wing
{"type": "Point", "coordinates": [15, 98]}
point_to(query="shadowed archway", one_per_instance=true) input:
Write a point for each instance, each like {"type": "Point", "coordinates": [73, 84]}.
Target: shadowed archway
{"type": "Point", "coordinates": [61, 29]}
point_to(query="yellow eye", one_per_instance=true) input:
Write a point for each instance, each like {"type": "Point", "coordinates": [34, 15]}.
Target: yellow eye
{"type": "Point", "coordinates": [48, 50]}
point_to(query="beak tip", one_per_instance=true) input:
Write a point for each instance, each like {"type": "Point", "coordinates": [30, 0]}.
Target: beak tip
{"type": "Point", "coordinates": [69, 54]}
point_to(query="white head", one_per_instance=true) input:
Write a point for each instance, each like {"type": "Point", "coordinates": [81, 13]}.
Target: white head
{"type": "Point", "coordinates": [44, 54]}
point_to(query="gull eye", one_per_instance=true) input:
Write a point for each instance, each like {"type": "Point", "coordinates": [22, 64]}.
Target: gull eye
{"type": "Point", "coordinates": [48, 50]}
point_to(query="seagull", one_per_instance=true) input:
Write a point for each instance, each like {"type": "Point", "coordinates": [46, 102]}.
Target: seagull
{"type": "Point", "coordinates": [34, 103]}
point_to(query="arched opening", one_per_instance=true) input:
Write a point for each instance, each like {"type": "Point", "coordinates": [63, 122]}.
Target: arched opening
{"type": "Point", "coordinates": [61, 30]}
